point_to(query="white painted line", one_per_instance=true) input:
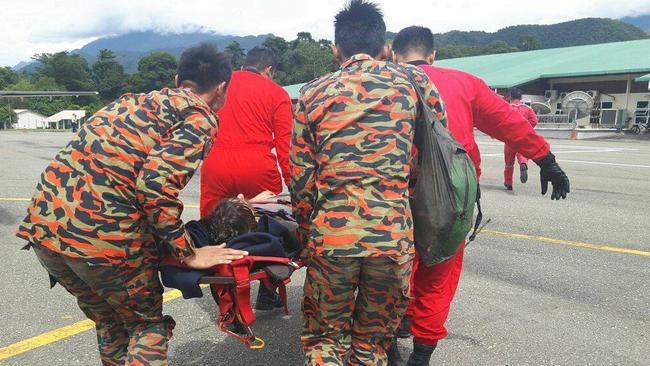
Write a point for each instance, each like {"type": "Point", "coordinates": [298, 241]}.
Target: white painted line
{"type": "Point", "coordinates": [604, 163]}
{"type": "Point", "coordinates": [581, 162]}
{"type": "Point", "coordinates": [555, 146]}
{"type": "Point", "coordinates": [574, 151]}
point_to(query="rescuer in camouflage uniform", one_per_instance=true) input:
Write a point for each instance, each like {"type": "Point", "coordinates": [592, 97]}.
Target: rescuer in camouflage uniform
{"type": "Point", "coordinates": [350, 165]}
{"type": "Point", "coordinates": [111, 195]}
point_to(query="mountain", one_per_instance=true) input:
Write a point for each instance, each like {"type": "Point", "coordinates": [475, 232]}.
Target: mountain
{"type": "Point", "coordinates": [641, 21]}
{"type": "Point", "coordinates": [131, 47]}
{"type": "Point", "coordinates": [572, 33]}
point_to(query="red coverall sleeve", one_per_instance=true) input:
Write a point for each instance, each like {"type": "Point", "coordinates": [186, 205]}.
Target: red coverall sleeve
{"type": "Point", "coordinates": [495, 117]}
{"type": "Point", "coordinates": [532, 117]}
{"type": "Point", "coordinates": [282, 124]}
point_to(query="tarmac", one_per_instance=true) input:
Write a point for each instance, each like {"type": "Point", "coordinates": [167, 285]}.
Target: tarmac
{"type": "Point", "coordinates": [546, 283]}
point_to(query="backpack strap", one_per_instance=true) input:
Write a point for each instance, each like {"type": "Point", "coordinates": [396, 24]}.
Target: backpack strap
{"type": "Point", "coordinates": [479, 217]}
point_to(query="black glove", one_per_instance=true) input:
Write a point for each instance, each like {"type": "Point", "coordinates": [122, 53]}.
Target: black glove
{"type": "Point", "coordinates": [550, 171]}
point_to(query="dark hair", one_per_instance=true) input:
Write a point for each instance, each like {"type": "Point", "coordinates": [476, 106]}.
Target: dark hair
{"type": "Point", "coordinates": [360, 28]}
{"type": "Point", "coordinates": [515, 93]}
{"type": "Point", "coordinates": [414, 39]}
{"type": "Point", "coordinates": [204, 66]}
{"type": "Point", "coordinates": [260, 58]}
{"type": "Point", "coordinates": [232, 217]}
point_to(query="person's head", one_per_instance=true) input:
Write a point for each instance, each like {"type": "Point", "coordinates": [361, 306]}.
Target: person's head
{"type": "Point", "coordinates": [515, 94]}
{"type": "Point", "coordinates": [359, 28]}
{"type": "Point", "coordinates": [262, 60]}
{"type": "Point", "coordinates": [232, 217]}
{"type": "Point", "coordinates": [414, 43]}
{"type": "Point", "coordinates": [206, 72]}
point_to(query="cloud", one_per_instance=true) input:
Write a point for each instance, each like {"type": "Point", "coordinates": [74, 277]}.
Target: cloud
{"type": "Point", "coordinates": [32, 26]}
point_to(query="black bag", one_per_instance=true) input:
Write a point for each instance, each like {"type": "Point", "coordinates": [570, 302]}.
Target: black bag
{"type": "Point", "coordinates": [446, 189]}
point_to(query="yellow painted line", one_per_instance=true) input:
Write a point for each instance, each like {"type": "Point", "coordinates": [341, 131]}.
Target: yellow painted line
{"type": "Point", "coordinates": [63, 332]}
{"type": "Point", "coordinates": [20, 199]}
{"type": "Point", "coordinates": [572, 243]}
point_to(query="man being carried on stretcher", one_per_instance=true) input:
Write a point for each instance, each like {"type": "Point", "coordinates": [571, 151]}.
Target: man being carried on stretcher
{"type": "Point", "coordinates": [233, 224]}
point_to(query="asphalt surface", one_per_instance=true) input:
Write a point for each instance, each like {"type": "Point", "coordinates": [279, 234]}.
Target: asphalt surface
{"type": "Point", "coordinates": [521, 301]}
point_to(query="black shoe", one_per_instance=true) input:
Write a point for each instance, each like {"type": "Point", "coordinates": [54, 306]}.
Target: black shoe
{"type": "Point", "coordinates": [267, 299]}
{"type": "Point", "coordinates": [508, 187]}
{"type": "Point", "coordinates": [394, 357]}
{"type": "Point", "coordinates": [404, 329]}
{"type": "Point", "coordinates": [421, 355]}
{"type": "Point", "coordinates": [523, 173]}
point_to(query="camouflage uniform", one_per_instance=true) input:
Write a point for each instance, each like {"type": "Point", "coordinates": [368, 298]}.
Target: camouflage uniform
{"type": "Point", "coordinates": [351, 159]}
{"type": "Point", "coordinates": [105, 201]}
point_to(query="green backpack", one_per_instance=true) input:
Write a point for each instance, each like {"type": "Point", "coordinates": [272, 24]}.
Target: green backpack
{"type": "Point", "coordinates": [446, 189]}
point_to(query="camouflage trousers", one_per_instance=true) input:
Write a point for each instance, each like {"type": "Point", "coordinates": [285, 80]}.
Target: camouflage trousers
{"type": "Point", "coordinates": [352, 307]}
{"type": "Point", "coordinates": [125, 302]}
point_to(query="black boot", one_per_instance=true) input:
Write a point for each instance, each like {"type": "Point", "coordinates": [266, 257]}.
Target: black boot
{"type": "Point", "coordinates": [394, 357]}
{"type": "Point", "coordinates": [421, 355]}
{"type": "Point", "coordinates": [267, 299]}
{"type": "Point", "coordinates": [523, 173]}
{"type": "Point", "coordinates": [404, 329]}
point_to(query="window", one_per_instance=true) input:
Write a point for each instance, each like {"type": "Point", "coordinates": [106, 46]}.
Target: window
{"type": "Point", "coordinates": [642, 104]}
{"type": "Point", "coordinates": [606, 105]}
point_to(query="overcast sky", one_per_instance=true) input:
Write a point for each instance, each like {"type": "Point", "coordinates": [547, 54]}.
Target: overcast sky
{"type": "Point", "coordinates": [34, 26]}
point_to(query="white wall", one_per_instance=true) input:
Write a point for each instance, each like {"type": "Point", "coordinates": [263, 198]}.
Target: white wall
{"type": "Point", "coordinates": [29, 120]}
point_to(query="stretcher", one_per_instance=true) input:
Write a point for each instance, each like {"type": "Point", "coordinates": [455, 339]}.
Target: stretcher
{"type": "Point", "coordinates": [230, 286]}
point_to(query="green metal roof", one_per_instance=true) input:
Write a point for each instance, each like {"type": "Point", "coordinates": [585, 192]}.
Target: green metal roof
{"type": "Point", "coordinates": [511, 69]}
{"type": "Point", "coordinates": [294, 90]}
{"type": "Point", "coordinates": [643, 78]}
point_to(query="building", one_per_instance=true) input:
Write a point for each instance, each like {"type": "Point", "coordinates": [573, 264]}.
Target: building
{"type": "Point", "coordinates": [26, 119]}
{"type": "Point", "coordinates": [588, 89]}
{"type": "Point", "coordinates": [65, 119]}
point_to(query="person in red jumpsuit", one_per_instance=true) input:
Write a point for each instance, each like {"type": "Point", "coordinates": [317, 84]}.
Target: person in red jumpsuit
{"type": "Point", "coordinates": [255, 119]}
{"type": "Point", "coordinates": [508, 152]}
{"type": "Point", "coordinates": [470, 103]}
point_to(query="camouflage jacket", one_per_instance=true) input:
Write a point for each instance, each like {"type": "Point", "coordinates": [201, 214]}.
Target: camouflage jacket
{"type": "Point", "coordinates": [112, 192]}
{"type": "Point", "coordinates": [351, 156]}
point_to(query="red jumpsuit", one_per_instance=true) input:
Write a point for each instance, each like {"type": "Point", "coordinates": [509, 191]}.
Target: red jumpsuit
{"type": "Point", "coordinates": [470, 103]}
{"type": "Point", "coordinates": [255, 119]}
{"type": "Point", "coordinates": [510, 153]}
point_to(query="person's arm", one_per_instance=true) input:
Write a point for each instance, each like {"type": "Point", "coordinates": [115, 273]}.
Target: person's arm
{"type": "Point", "coordinates": [282, 125]}
{"type": "Point", "coordinates": [495, 117]}
{"type": "Point", "coordinates": [498, 119]}
{"type": "Point", "coordinates": [168, 168]}
{"type": "Point", "coordinates": [532, 117]}
{"type": "Point", "coordinates": [302, 162]}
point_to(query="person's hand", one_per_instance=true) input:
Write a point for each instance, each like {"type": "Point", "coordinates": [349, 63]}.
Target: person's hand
{"type": "Point", "coordinates": [210, 256]}
{"type": "Point", "coordinates": [550, 171]}
{"type": "Point", "coordinates": [264, 196]}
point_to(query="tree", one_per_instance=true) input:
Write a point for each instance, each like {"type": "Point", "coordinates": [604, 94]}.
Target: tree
{"type": "Point", "coordinates": [7, 116]}
{"type": "Point", "coordinates": [302, 59]}
{"type": "Point", "coordinates": [109, 75]}
{"type": "Point", "coordinates": [498, 47]}
{"type": "Point", "coordinates": [155, 71]}
{"type": "Point", "coordinates": [236, 53]}
{"type": "Point", "coordinates": [68, 70]}
{"type": "Point", "coordinates": [7, 77]}
{"type": "Point", "coordinates": [529, 43]}
{"type": "Point", "coordinates": [276, 44]}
